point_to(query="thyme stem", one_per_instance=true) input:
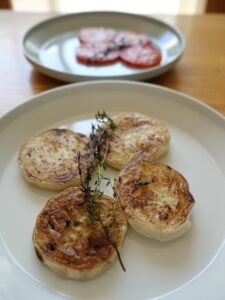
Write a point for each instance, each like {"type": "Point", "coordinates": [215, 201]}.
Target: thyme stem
{"type": "Point", "coordinates": [97, 151]}
{"type": "Point", "coordinates": [113, 244]}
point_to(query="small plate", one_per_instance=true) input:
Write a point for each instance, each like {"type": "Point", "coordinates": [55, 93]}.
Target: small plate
{"type": "Point", "coordinates": [191, 267]}
{"type": "Point", "coordinates": [50, 46]}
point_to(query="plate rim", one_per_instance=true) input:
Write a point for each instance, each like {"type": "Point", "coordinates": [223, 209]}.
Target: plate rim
{"type": "Point", "coordinates": [141, 73]}
{"type": "Point", "coordinates": [29, 101]}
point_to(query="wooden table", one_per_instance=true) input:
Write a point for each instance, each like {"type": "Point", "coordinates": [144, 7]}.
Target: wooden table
{"type": "Point", "coordinates": [200, 72]}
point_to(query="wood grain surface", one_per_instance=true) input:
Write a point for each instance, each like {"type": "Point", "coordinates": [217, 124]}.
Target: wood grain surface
{"type": "Point", "coordinates": [200, 72]}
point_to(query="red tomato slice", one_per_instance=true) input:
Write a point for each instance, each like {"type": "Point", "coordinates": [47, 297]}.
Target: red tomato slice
{"type": "Point", "coordinates": [141, 57]}
{"type": "Point", "coordinates": [128, 38]}
{"type": "Point", "coordinates": [94, 35]}
{"type": "Point", "coordinates": [96, 54]}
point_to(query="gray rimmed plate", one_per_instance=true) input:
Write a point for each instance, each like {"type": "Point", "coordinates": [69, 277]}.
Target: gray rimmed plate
{"type": "Point", "coordinates": [50, 46]}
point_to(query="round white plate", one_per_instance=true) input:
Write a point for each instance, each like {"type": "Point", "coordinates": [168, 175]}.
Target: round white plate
{"type": "Point", "coordinates": [191, 265]}
{"type": "Point", "coordinates": [51, 45]}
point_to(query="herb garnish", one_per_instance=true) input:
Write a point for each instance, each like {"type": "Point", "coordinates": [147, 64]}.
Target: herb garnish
{"type": "Point", "coordinates": [97, 150]}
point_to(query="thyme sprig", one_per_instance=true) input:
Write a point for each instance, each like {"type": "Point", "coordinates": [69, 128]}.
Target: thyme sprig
{"type": "Point", "coordinates": [97, 150]}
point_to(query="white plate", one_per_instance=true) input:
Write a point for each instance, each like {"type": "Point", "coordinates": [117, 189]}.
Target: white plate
{"type": "Point", "coordinates": [191, 265]}
{"type": "Point", "coordinates": [50, 46]}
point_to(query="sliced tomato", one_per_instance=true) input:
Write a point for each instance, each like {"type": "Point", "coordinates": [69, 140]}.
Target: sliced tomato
{"type": "Point", "coordinates": [141, 56]}
{"type": "Point", "coordinates": [99, 54]}
{"type": "Point", "coordinates": [93, 35]}
{"type": "Point", "coordinates": [128, 38]}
